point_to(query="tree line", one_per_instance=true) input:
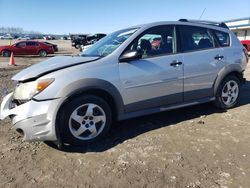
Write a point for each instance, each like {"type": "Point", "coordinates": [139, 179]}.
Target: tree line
{"type": "Point", "coordinates": [16, 30]}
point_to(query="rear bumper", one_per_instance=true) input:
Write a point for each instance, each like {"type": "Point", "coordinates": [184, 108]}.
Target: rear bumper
{"type": "Point", "coordinates": [34, 119]}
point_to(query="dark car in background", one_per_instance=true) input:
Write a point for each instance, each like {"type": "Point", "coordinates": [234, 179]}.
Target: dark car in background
{"type": "Point", "coordinates": [27, 48]}
{"type": "Point", "coordinates": [94, 38]}
{"type": "Point", "coordinates": [78, 39]}
{"type": "Point", "coordinates": [55, 47]}
{"type": "Point", "coordinates": [91, 39]}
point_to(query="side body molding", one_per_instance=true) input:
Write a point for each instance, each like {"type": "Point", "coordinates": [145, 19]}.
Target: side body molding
{"type": "Point", "coordinates": [89, 84]}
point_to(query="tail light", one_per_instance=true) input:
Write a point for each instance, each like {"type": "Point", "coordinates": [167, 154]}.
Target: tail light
{"type": "Point", "coordinates": [246, 54]}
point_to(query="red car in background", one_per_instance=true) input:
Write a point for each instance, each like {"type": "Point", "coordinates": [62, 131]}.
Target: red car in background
{"type": "Point", "coordinates": [246, 44]}
{"type": "Point", "coordinates": [27, 48]}
{"type": "Point", "coordinates": [156, 42]}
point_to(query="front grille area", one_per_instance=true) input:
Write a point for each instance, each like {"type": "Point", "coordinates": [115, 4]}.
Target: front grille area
{"type": "Point", "coordinates": [16, 102]}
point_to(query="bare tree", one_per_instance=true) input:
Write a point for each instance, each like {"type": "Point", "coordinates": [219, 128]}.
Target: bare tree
{"type": "Point", "coordinates": [16, 30]}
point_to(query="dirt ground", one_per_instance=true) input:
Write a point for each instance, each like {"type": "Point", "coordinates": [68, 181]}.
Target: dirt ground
{"type": "Point", "coordinates": [198, 146]}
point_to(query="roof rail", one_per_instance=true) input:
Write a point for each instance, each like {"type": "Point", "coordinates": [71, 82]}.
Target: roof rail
{"type": "Point", "coordinates": [219, 24]}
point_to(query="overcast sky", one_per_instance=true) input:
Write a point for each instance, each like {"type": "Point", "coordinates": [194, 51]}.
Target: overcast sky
{"type": "Point", "coordinates": [92, 16]}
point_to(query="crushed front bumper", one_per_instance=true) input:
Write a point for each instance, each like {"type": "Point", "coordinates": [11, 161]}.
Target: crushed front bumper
{"type": "Point", "coordinates": [35, 119]}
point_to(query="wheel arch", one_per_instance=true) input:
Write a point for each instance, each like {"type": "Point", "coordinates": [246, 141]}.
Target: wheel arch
{"type": "Point", "coordinates": [221, 76]}
{"type": "Point", "coordinates": [101, 88]}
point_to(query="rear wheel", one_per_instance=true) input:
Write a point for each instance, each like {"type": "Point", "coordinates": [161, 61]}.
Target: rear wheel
{"type": "Point", "coordinates": [42, 53]}
{"type": "Point", "coordinates": [228, 93]}
{"type": "Point", "coordinates": [6, 53]}
{"type": "Point", "coordinates": [84, 120]}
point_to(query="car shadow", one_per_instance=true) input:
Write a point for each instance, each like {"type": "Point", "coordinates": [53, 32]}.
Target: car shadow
{"type": "Point", "coordinates": [125, 130]}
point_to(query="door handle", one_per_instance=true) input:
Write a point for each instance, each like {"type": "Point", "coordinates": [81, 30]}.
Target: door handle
{"type": "Point", "coordinates": [219, 57]}
{"type": "Point", "coordinates": [176, 63]}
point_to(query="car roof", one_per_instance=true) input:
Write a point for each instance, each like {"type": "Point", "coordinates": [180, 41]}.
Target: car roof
{"type": "Point", "coordinates": [152, 24]}
{"type": "Point", "coordinates": [28, 41]}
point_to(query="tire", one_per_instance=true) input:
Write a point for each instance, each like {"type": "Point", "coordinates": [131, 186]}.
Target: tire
{"type": "Point", "coordinates": [228, 93]}
{"type": "Point", "coordinates": [6, 53]}
{"type": "Point", "coordinates": [78, 46]}
{"type": "Point", "coordinates": [42, 53]}
{"type": "Point", "coordinates": [83, 120]}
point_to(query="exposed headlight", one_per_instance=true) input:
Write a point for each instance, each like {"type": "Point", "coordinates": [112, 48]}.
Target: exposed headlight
{"type": "Point", "coordinates": [25, 91]}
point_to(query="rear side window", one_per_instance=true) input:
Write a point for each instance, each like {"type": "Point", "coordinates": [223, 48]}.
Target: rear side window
{"type": "Point", "coordinates": [195, 38]}
{"type": "Point", "coordinates": [32, 44]}
{"type": "Point", "coordinates": [223, 38]}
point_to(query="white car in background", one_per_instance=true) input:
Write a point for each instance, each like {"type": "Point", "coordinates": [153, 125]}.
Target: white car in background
{"type": "Point", "coordinates": [83, 48]}
{"type": "Point", "coordinates": [25, 37]}
{"type": "Point", "coordinates": [6, 37]}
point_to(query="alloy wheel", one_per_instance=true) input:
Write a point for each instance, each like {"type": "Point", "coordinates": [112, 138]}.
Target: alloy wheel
{"type": "Point", "coordinates": [230, 92]}
{"type": "Point", "coordinates": [87, 121]}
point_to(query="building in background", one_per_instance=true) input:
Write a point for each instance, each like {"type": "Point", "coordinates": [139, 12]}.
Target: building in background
{"type": "Point", "coordinates": [241, 27]}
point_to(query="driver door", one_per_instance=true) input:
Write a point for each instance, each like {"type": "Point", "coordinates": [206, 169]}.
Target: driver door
{"type": "Point", "coordinates": [20, 48]}
{"type": "Point", "coordinates": [157, 78]}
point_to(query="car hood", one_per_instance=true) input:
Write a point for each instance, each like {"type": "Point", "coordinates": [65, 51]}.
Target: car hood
{"type": "Point", "coordinates": [7, 46]}
{"type": "Point", "coordinates": [51, 65]}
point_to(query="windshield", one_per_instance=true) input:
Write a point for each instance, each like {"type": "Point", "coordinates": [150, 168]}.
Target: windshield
{"type": "Point", "coordinates": [109, 43]}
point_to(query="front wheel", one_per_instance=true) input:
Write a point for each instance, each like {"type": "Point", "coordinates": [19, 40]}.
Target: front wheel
{"type": "Point", "coordinates": [228, 93]}
{"type": "Point", "coordinates": [84, 120]}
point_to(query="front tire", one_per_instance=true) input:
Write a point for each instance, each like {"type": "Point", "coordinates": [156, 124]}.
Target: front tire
{"type": "Point", "coordinates": [228, 93]}
{"type": "Point", "coordinates": [84, 120]}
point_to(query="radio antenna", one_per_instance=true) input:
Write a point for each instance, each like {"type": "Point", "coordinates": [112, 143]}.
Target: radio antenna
{"type": "Point", "coordinates": [202, 13]}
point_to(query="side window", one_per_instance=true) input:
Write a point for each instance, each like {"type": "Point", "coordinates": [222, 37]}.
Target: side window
{"type": "Point", "coordinates": [21, 44]}
{"type": "Point", "coordinates": [223, 38]}
{"type": "Point", "coordinates": [31, 44]}
{"type": "Point", "coordinates": [195, 38]}
{"type": "Point", "coordinates": [155, 41]}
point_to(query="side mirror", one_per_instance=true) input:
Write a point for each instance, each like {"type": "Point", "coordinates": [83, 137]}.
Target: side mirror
{"type": "Point", "coordinates": [130, 56]}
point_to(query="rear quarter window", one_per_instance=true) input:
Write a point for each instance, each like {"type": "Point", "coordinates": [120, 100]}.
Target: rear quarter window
{"type": "Point", "coordinates": [223, 38]}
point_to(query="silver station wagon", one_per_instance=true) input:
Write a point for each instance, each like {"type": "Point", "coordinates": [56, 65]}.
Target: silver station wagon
{"type": "Point", "coordinates": [129, 73]}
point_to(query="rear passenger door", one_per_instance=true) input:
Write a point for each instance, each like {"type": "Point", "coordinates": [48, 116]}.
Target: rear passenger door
{"type": "Point", "coordinates": [31, 48]}
{"type": "Point", "coordinates": [203, 59]}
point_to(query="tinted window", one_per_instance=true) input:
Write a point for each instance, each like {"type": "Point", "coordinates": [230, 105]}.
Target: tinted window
{"type": "Point", "coordinates": [31, 44]}
{"type": "Point", "coordinates": [21, 44]}
{"type": "Point", "coordinates": [155, 41]}
{"type": "Point", "coordinates": [223, 38]}
{"type": "Point", "coordinates": [195, 38]}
